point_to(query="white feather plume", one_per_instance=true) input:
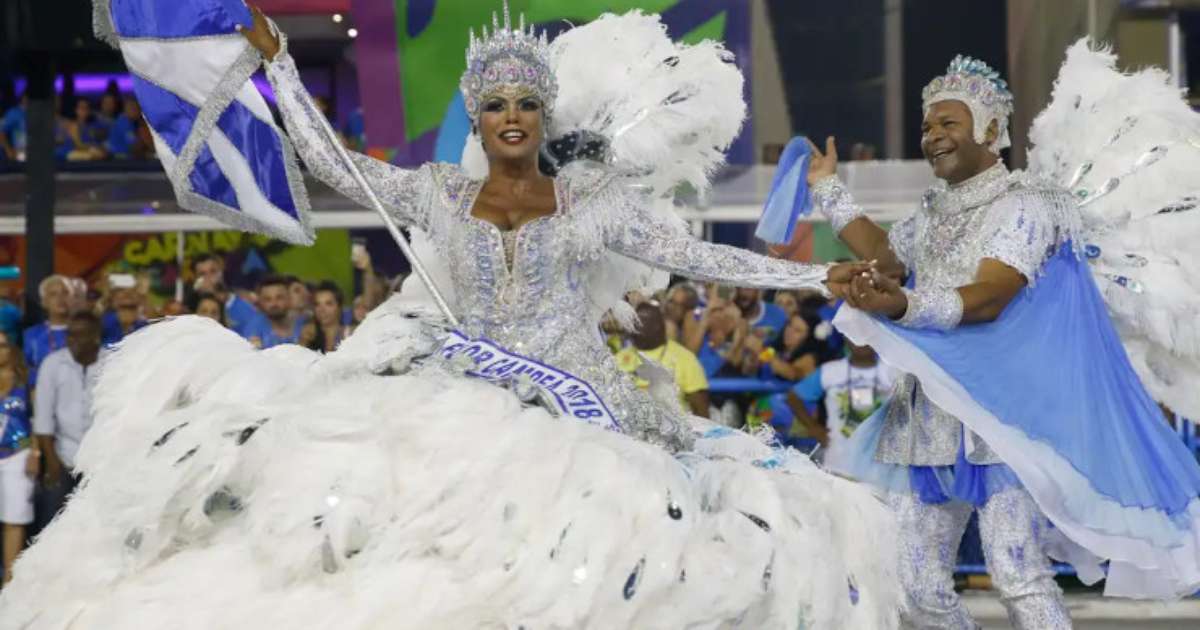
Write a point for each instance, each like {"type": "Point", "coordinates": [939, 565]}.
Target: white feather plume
{"type": "Point", "coordinates": [1135, 131]}
{"type": "Point", "coordinates": [669, 110]}
{"type": "Point", "coordinates": [231, 488]}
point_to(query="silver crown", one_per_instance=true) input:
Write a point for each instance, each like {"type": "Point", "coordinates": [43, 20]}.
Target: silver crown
{"type": "Point", "coordinates": [983, 91]}
{"type": "Point", "coordinates": [507, 58]}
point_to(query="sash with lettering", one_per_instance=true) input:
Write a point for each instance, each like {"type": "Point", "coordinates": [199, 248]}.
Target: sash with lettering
{"type": "Point", "coordinates": [571, 396]}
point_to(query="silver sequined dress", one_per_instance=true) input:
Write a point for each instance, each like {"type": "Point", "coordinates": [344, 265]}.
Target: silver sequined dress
{"type": "Point", "coordinates": [540, 306]}
{"type": "Point", "coordinates": [1009, 217]}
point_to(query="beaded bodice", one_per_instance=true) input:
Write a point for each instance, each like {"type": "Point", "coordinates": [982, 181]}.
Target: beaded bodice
{"type": "Point", "coordinates": [509, 238]}
{"type": "Point", "coordinates": [996, 214]}
{"type": "Point", "coordinates": [521, 288]}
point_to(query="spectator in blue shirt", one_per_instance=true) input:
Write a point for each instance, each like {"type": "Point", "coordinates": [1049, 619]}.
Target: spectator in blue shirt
{"type": "Point", "coordinates": [766, 321]}
{"type": "Point", "coordinates": [110, 109]}
{"type": "Point", "coordinates": [87, 134]}
{"type": "Point", "coordinates": [12, 131]}
{"type": "Point", "coordinates": [240, 316]}
{"type": "Point", "coordinates": [123, 140]}
{"type": "Point", "coordinates": [51, 335]}
{"type": "Point", "coordinates": [723, 336]}
{"type": "Point", "coordinates": [278, 325]}
{"type": "Point", "coordinates": [123, 317]}
{"type": "Point", "coordinates": [788, 300]}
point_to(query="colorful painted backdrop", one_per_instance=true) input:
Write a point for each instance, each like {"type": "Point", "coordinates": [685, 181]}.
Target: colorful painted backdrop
{"type": "Point", "coordinates": [247, 257]}
{"type": "Point", "coordinates": [410, 54]}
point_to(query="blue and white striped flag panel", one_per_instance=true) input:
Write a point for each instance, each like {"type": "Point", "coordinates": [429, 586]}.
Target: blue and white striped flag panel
{"type": "Point", "coordinates": [212, 130]}
{"type": "Point", "coordinates": [788, 198]}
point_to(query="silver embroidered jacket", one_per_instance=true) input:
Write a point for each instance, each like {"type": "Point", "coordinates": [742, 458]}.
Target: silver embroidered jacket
{"type": "Point", "coordinates": [536, 303]}
{"type": "Point", "coordinates": [1000, 215]}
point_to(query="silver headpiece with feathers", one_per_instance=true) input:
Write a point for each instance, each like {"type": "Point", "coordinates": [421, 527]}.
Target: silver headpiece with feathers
{"type": "Point", "coordinates": [976, 84]}
{"type": "Point", "coordinates": [507, 59]}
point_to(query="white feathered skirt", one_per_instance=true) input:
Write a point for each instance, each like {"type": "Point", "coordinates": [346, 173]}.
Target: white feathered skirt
{"type": "Point", "coordinates": [231, 488]}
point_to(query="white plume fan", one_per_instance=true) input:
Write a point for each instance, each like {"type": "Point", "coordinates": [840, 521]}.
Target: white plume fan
{"type": "Point", "coordinates": [1128, 147]}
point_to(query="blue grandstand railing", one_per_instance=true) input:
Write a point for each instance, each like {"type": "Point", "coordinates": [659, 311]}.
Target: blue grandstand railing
{"type": "Point", "coordinates": [1186, 429]}
{"type": "Point", "coordinates": [747, 386]}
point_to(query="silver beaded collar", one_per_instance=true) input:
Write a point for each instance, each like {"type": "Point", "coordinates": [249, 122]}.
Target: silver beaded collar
{"type": "Point", "coordinates": [972, 193]}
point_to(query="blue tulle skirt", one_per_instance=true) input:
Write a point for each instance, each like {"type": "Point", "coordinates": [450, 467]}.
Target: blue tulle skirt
{"type": "Point", "coordinates": [1050, 389]}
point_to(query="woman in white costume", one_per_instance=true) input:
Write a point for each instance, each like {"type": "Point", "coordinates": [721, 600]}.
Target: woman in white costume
{"type": "Point", "coordinates": [380, 486]}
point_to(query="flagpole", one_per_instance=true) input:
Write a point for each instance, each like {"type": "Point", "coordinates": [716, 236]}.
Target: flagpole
{"type": "Point", "coordinates": [388, 221]}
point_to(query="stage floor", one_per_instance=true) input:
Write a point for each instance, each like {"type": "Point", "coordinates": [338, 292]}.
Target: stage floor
{"type": "Point", "coordinates": [1092, 612]}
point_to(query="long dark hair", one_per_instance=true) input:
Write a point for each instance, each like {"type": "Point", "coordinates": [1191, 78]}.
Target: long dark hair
{"type": "Point", "coordinates": [808, 345]}
{"type": "Point", "coordinates": [195, 299]}
{"type": "Point", "coordinates": [318, 340]}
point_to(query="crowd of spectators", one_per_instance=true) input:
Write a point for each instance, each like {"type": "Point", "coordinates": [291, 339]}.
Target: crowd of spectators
{"type": "Point", "coordinates": [811, 385]}
{"type": "Point", "coordinates": [111, 128]}
{"type": "Point", "coordinates": [47, 369]}
{"type": "Point", "coordinates": [283, 309]}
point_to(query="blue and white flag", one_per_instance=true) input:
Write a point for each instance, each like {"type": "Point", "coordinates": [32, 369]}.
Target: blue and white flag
{"type": "Point", "coordinates": [788, 199]}
{"type": "Point", "coordinates": [212, 130]}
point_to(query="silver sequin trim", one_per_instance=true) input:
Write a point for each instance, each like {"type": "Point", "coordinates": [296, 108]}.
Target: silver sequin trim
{"type": "Point", "coordinates": [831, 197]}
{"type": "Point", "coordinates": [940, 309]}
{"type": "Point", "coordinates": [638, 235]}
{"type": "Point", "coordinates": [102, 24]}
{"type": "Point", "coordinates": [985, 187]}
{"type": "Point", "coordinates": [203, 126]}
{"type": "Point", "coordinates": [902, 239]}
{"type": "Point", "coordinates": [510, 247]}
